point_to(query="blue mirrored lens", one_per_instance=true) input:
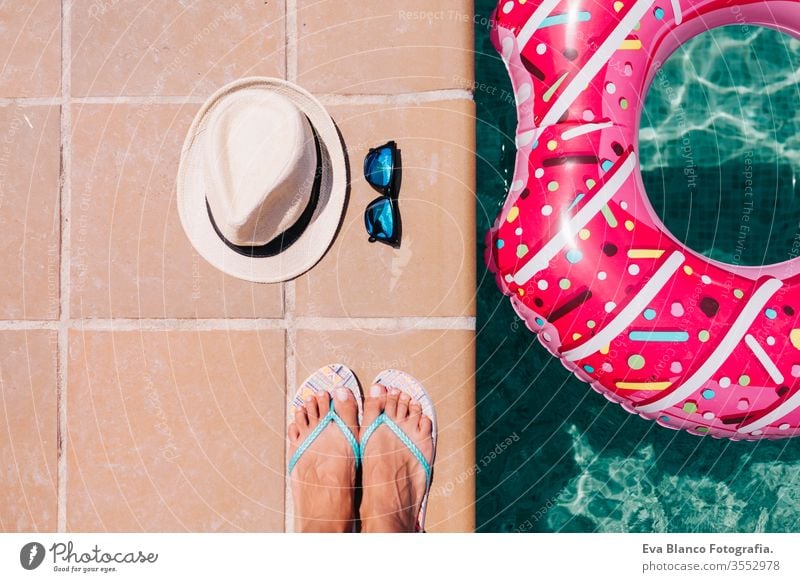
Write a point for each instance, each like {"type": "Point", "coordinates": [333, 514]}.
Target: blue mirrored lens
{"type": "Point", "coordinates": [379, 220]}
{"type": "Point", "coordinates": [378, 167]}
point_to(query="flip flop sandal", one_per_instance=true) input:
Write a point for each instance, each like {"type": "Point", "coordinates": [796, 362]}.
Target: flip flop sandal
{"type": "Point", "coordinates": [327, 379]}
{"type": "Point", "coordinates": [406, 383]}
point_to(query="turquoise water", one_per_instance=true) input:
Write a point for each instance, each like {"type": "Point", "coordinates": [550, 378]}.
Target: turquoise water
{"type": "Point", "coordinates": [552, 454]}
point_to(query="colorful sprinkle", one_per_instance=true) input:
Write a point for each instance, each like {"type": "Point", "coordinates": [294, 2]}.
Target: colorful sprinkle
{"type": "Point", "coordinates": [589, 369]}
{"type": "Point", "coordinates": [659, 336]}
{"type": "Point", "coordinates": [518, 231]}
{"type": "Point", "coordinates": [552, 145]}
{"type": "Point", "coordinates": [554, 87]}
{"type": "Point", "coordinates": [631, 44]}
{"type": "Point", "coordinates": [590, 183]}
{"type": "Point", "coordinates": [565, 18]}
{"type": "Point", "coordinates": [629, 225]}
{"type": "Point", "coordinates": [708, 415]}
{"type": "Point", "coordinates": [611, 88]}
{"type": "Point", "coordinates": [602, 275]}
{"type": "Point", "coordinates": [590, 324]}
{"type": "Point", "coordinates": [606, 165]}
{"type": "Point", "coordinates": [539, 172]}
{"type": "Point", "coordinates": [552, 186]}
{"type": "Point", "coordinates": [574, 256]}
{"type": "Point", "coordinates": [744, 380]}
{"type": "Point", "coordinates": [649, 314]}
{"type": "Point", "coordinates": [610, 306]}
{"type": "Point", "coordinates": [796, 371]}
{"type": "Point", "coordinates": [703, 335]}
{"type": "Point", "coordinates": [512, 214]}
{"type": "Point", "coordinates": [743, 404]}
{"type": "Point", "coordinates": [577, 199]}
{"type": "Point", "coordinates": [690, 407]}
{"type": "Point", "coordinates": [542, 285]}
{"type": "Point", "coordinates": [645, 253]}
{"type": "Point", "coordinates": [658, 13]}
{"type": "Point", "coordinates": [539, 321]}
{"type": "Point", "coordinates": [584, 234]}
{"type": "Point", "coordinates": [522, 250]}
{"type": "Point", "coordinates": [676, 367]}
{"type": "Point", "coordinates": [636, 362]}
{"type": "Point", "coordinates": [688, 270]}
{"type": "Point", "coordinates": [770, 313]}
{"type": "Point", "coordinates": [738, 293]}
{"type": "Point", "coordinates": [564, 284]}
{"type": "Point", "coordinates": [609, 216]}
{"type": "Point", "coordinates": [708, 394]}
{"type": "Point", "coordinates": [618, 6]}
{"type": "Point", "coordinates": [676, 310]}
{"type": "Point", "coordinates": [521, 292]}
{"type": "Point", "coordinates": [500, 243]}
{"type": "Point", "coordinates": [794, 337]}
{"type": "Point", "coordinates": [784, 426]}
{"type": "Point", "coordinates": [541, 48]}
{"type": "Point", "coordinates": [648, 386]}
{"type": "Point", "coordinates": [706, 279]}
{"type": "Point", "coordinates": [623, 103]}
{"type": "Point", "coordinates": [633, 269]}
{"type": "Point", "coordinates": [724, 382]}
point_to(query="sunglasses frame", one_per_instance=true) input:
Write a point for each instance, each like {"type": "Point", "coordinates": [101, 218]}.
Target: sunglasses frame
{"type": "Point", "coordinates": [389, 192]}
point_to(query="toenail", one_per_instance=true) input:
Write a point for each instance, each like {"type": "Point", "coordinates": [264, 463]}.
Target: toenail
{"type": "Point", "coordinates": [394, 391]}
{"type": "Point", "coordinates": [309, 398]}
{"type": "Point", "coordinates": [375, 391]}
{"type": "Point", "coordinates": [341, 394]}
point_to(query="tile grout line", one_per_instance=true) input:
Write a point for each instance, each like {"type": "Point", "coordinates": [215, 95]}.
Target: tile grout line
{"type": "Point", "coordinates": [326, 98]}
{"type": "Point", "coordinates": [297, 323]}
{"type": "Point", "coordinates": [289, 287]}
{"type": "Point", "coordinates": [64, 315]}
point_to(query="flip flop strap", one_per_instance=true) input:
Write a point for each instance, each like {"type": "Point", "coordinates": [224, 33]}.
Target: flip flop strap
{"type": "Point", "coordinates": [404, 438]}
{"type": "Point", "coordinates": [323, 424]}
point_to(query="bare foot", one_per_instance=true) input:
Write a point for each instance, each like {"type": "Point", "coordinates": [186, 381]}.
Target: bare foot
{"type": "Point", "coordinates": [323, 481]}
{"type": "Point", "coordinates": [393, 479]}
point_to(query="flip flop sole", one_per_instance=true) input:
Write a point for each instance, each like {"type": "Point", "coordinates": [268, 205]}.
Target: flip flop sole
{"type": "Point", "coordinates": [408, 384]}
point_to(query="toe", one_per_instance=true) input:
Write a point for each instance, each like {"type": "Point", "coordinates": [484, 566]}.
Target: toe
{"type": "Point", "coordinates": [402, 406]}
{"type": "Point", "coordinates": [346, 407]}
{"type": "Point", "coordinates": [323, 403]}
{"type": "Point", "coordinates": [374, 404]}
{"type": "Point", "coordinates": [301, 418]}
{"type": "Point", "coordinates": [425, 426]}
{"type": "Point", "coordinates": [294, 433]}
{"type": "Point", "coordinates": [312, 409]}
{"type": "Point", "coordinates": [391, 402]}
{"type": "Point", "coordinates": [414, 412]}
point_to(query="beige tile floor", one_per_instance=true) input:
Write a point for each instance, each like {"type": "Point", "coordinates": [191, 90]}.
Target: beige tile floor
{"type": "Point", "coordinates": [142, 390]}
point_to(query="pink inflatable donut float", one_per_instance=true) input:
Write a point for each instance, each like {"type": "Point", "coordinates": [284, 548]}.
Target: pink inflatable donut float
{"type": "Point", "coordinates": [667, 333]}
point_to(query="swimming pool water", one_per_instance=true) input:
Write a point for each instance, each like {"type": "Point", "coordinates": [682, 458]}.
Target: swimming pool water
{"type": "Point", "coordinates": [553, 455]}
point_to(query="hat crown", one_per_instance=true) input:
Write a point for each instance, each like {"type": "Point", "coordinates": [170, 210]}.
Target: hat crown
{"type": "Point", "coordinates": [260, 165]}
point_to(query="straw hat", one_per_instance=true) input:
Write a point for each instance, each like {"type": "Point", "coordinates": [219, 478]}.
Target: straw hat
{"type": "Point", "coordinates": [262, 180]}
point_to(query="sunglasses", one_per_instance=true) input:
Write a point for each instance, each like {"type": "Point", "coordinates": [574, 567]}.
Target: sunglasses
{"type": "Point", "coordinates": [382, 215]}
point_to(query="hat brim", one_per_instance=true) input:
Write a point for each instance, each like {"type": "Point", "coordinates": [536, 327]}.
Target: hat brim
{"type": "Point", "coordinates": [314, 241]}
